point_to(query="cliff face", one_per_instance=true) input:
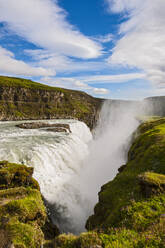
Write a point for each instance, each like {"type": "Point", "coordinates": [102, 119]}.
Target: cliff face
{"type": "Point", "coordinates": [22, 99]}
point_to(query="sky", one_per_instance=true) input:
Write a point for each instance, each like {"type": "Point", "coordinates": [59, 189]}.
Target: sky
{"type": "Point", "coordinates": [107, 48]}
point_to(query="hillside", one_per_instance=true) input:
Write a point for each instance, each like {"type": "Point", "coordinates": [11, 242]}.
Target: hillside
{"type": "Point", "coordinates": [131, 208]}
{"type": "Point", "coordinates": [22, 99]}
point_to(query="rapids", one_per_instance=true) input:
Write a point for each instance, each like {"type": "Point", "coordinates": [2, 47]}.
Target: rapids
{"type": "Point", "coordinates": [57, 159]}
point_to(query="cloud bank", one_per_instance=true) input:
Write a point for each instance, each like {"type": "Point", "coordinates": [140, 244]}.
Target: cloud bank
{"type": "Point", "coordinates": [44, 23]}
{"type": "Point", "coordinates": [143, 37]}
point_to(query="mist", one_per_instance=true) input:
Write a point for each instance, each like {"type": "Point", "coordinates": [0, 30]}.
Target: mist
{"type": "Point", "coordinates": [109, 148]}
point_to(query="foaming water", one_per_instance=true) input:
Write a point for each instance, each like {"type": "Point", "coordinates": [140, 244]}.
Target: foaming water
{"type": "Point", "coordinates": [57, 159]}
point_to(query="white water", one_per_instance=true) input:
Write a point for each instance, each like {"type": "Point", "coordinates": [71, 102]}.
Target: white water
{"type": "Point", "coordinates": [56, 158]}
{"type": "Point", "coordinates": [71, 168]}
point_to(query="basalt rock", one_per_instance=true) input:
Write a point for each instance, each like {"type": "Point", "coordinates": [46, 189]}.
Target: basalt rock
{"type": "Point", "coordinates": [57, 130]}
{"type": "Point", "coordinates": [56, 127]}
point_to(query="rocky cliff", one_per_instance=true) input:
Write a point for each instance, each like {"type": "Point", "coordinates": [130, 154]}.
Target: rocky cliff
{"type": "Point", "coordinates": [22, 99]}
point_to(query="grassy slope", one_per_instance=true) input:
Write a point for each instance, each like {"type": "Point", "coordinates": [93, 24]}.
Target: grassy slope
{"type": "Point", "coordinates": [24, 99]}
{"type": "Point", "coordinates": [25, 83]}
{"type": "Point", "coordinates": [22, 212]}
{"type": "Point", "coordinates": [131, 208]}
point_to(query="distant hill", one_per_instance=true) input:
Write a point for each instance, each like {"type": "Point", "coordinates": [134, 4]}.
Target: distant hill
{"type": "Point", "coordinates": [22, 99]}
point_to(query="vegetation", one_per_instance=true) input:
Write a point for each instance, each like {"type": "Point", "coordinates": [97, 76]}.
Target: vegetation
{"type": "Point", "coordinates": [25, 83]}
{"type": "Point", "coordinates": [15, 175]}
{"type": "Point", "coordinates": [22, 211]}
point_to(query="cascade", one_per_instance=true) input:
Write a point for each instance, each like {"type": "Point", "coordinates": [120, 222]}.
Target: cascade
{"type": "Point", "coordinates": [57, 159]}
{"type": "Point", "coordinates": [72, 167]}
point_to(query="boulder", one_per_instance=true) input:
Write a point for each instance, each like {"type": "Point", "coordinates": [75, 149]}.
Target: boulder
{"type": "Point", "coordinates": [56, 127]}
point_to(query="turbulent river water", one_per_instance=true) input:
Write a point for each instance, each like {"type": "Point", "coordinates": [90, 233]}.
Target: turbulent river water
{"type": "Point", "coordinates": [71, 167]}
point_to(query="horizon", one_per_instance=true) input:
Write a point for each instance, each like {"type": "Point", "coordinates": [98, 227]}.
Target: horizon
{"type": "Point", "coordinates": [112, 49]}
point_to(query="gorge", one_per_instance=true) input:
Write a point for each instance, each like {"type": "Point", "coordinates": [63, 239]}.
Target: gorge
{"type": "Point", "coordinates": [72, 166]}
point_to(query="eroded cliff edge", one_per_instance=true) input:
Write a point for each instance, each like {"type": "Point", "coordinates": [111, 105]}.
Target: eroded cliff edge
{"type": "Point", "coordinates": [22, 99]}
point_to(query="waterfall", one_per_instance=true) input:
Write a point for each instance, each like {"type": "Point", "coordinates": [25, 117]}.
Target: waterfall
{"type": "Point", "coordinates": [57, 159]}
{"type": "Point", "coordinates": [72, 167]}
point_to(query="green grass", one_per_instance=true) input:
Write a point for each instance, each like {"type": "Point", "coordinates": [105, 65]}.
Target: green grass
{"type": "Point", "coordinates": [25, 83]}
{"type": "Point", "coordinates": [153, 179]}
{"type": "Point", "coordinates": [115, 238]}
{"type": "Point", "coordinates": [22, 211]}
{"type": "Point", "coordinates": [15, 175]}
{"type": "Point", "coordinates": [24, 235]}
{"type": "Point", "coordinates": [29, 208]}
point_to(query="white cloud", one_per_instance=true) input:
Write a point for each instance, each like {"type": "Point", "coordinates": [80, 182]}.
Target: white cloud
{"type": "Point", "coordinates": [66, 82]}
{"type": "Point", "coordinates": [75, 84]}
{"type": "Point", "coordinates": [109, 79]}
{"type": "Point", "coordinates": [82, 83]}
{"type": "Point", "coordinates": [104, 38]}
{"type": "Point", "coordinates": [100, 91]}
{"type": "Point", "coordinates": [61, 63]}
{"type": "Point", "coordinates": [143, 41]}
{"type": "Point", "coordinates": [12, 66]}
{"type": "Point", "coordinates": [44, 23]}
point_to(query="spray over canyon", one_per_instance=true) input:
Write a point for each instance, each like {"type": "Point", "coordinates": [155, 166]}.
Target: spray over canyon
{"type": "Point", "coordinates": [72, 167]}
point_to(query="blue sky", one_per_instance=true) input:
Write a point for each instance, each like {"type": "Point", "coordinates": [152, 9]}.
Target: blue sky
{"type": "Point", "coordinates": [108, 48]}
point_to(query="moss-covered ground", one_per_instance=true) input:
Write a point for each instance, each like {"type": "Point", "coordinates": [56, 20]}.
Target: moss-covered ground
{"type": "Point", "coordinates": [22, 211]}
